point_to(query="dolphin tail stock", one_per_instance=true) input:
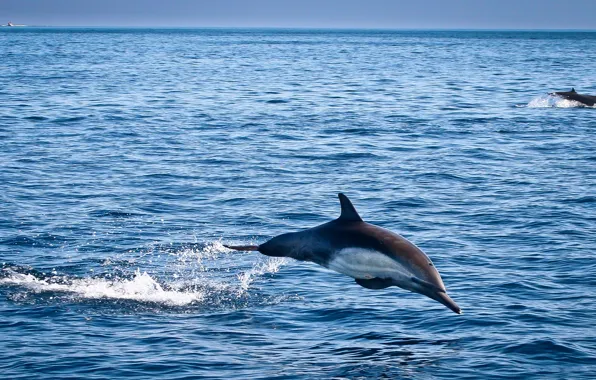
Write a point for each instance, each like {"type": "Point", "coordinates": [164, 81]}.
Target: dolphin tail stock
{"type": "Point", "coordinates": [242, 247]}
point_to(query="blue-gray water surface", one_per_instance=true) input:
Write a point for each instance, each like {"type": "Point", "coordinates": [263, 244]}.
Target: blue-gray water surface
{"type": "Point", "coordinates": [128, 156]}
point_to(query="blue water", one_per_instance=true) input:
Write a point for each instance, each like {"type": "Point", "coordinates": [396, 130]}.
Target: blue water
{"type": "Point", "coordinates": [128, 156]}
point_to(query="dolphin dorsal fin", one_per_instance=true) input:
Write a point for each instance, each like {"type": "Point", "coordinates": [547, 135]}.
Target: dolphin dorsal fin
{"type": "Point", "coordinates": [348, 212]}
{"type": "Point", "coordinates": [572, 89]}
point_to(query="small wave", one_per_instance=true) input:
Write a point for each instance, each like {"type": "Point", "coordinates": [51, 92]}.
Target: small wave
{"type": "Point", "coordinates": [545, 348]}
{"type": "Point", "coordinates": [350, 156]}
{"type": "Point", "coordinates": [551, 101]}
{"type": "Point", "coordinates": [43, 240]}
{"type": "Point", "coordinates": [585, 199]}
{"type": "Point", "coordinates": [106, 105]}
{"type": "Point", "coordinates": [112, 214]}
{"type": "Point", "coordinates": [36, 118]}
{"type": "Point", "coordinates": [412, 202]}
{"type": "Point", "coordinates": [63, 120]}
{"type": "Point", "coordinates": [354, 131]}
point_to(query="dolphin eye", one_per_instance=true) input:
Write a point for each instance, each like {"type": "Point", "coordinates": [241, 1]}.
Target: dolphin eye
{"type": "Point", "coordinates": [431, 264]}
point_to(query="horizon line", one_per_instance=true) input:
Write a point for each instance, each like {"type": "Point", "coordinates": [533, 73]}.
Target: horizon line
{"type": "Point", "coordinates": [312, 28]}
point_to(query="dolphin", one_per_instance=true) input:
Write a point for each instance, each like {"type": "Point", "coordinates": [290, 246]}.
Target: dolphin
{"type": "Point", "coordinates": [375, 257]}
{"type": "Point", "coordinates": [587, 100]}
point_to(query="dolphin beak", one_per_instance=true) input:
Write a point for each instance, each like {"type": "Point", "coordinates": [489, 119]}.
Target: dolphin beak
{"type": "Point", "coordinates": [443, 298]}
{"type": "Point", "coordinates": [434, 292]}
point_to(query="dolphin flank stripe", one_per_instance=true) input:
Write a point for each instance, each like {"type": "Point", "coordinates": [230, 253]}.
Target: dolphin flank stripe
{"type": "Point", "coordinates": [375, 257]}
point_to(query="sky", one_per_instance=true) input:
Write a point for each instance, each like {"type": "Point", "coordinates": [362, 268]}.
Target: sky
{"type": "Point", "coordinates": [385, 14]}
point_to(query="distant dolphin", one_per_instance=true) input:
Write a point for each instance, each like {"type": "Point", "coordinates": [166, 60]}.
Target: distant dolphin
{"type": "Point", "coordinates": [587, 100]}
{"type": "Point", "coordinates": [375, 257]}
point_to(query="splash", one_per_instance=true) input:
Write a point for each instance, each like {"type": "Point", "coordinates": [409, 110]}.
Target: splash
{"type": "Point", "coordinates": [272, 265]}
{"type": "Point", "coordinates": [205, 274]}
{"type": "Point", "coordinates": [551, 101]}
{"type": "Point", "coordinates": [200, 255]}
{"type": "Point", "coordinates": [142, 287]}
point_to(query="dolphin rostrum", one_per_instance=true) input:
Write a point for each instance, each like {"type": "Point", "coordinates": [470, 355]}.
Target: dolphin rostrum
{"type": "Point", "coordinates": [375, 257]}
{"type": "Point", "coordinates": [587, 100]}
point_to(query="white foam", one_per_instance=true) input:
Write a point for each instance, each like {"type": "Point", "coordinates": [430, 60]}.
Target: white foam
{"type": "Point", "coordinates": [551, 101]}
{"type": "Point", "coordinates": [140, 288]}
{"type": "Point", "coordinates": [201, 275]}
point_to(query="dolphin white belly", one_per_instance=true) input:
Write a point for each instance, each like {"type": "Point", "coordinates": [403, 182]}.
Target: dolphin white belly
{"type": "Point", "coordinates": [361, 263]}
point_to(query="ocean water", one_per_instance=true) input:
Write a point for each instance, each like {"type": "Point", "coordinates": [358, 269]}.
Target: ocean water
{"type": "Point", "coordinates": [128, 156]}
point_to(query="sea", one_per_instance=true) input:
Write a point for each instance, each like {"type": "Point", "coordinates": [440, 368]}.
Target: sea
{"type": "Point", "coordinates": [129, 157]}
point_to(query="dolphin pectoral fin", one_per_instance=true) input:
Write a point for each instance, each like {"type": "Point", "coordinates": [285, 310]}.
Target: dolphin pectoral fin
{"type": "Point", "coordinates": [242, 247]}
{"type": "Point", "coordinates": [374, 283]}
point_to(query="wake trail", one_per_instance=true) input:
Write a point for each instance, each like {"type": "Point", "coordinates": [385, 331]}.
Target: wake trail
{"type": "Point", "coordinates": [199, 276]}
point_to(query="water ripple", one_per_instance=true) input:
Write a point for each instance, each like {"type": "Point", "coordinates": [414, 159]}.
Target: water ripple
{"type": "Point", "coordinates": [128, 155]}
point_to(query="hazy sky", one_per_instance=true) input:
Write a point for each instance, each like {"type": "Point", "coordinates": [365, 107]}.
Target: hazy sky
{"type": "Point", "coordinates": [492, 14]}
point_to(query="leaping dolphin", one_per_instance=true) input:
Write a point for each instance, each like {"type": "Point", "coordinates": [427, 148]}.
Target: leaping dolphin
{"type": "Point", "coordinates": [587, 100]}
{"type": "Point", "coordinates": [375, 257]}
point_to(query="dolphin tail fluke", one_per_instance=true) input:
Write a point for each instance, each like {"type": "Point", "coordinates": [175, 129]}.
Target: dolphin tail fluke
{"type": "Point", "coordinates": [242, 247]}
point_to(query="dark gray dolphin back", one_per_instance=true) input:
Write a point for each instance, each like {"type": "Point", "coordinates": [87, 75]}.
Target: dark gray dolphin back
{"type": "Point", "coordinates": [321, 243]}
{"type": "Point", "coordinates": [587, 100]}
{"type": "Point", "coordinates": [317, 244]}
